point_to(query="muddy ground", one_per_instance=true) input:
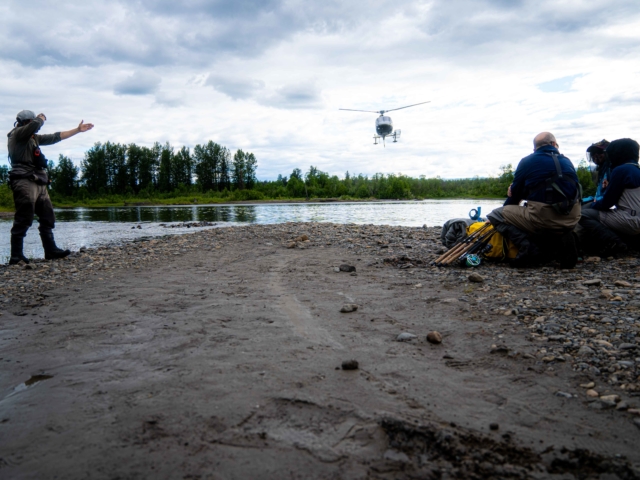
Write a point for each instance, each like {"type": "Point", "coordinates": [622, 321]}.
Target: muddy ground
{"type": "Point", "coordinates": [221, 359]}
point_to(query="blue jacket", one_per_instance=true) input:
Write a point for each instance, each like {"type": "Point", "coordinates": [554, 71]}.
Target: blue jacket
{"type": "Point", "coordinates": [622, 177]}
{"type": "Point", "coordinates": [534, 170]}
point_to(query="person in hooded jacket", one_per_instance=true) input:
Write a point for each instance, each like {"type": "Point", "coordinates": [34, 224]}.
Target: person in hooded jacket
{"type": "Point", "coordinates": [606, 230]}
{"type": "Point", "coordinates": [28, 181]}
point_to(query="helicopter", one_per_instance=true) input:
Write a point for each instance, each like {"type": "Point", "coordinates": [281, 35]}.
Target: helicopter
{"type": "Point", "coordinates": [384, 124]}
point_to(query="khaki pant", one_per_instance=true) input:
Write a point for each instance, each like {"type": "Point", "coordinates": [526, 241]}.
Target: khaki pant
{"type": "Point", "coordinates": [31, 199]}
{"type": "Point", "coordinates": [538, 217]}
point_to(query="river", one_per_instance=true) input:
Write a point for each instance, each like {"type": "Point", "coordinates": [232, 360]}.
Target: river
{"type": "Point", "coordinates": [91, 227]}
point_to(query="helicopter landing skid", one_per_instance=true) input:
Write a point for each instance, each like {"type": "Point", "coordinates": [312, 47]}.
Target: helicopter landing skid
{"type": "Point", "coordinates": [395, 135]}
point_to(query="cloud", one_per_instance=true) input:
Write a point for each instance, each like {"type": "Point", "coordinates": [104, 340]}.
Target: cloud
{"type": "Point", "coordinates": [295, 96]}
{"type": "Point", "coordinates": [140, 83]}
{"type": "Point", "coordinates": [235, 87]}
{"type": "Point", "coordinates": [268, 76]}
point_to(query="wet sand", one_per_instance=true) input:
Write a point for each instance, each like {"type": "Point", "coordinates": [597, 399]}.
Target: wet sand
{"type": "Point", "coordinates": [220, 359]}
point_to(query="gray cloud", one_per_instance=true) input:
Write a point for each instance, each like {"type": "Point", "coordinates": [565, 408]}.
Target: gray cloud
{"type": "Point", "coordinates": [140, 83]}
{"type": "Point", "coordinates": [235, 87]}
{"type": "Point", "coordinates": [295, 96]}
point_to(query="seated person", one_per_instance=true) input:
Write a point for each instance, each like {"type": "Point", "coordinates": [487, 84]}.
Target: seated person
{"type": "Point", "coordinates": [605, 229]}
{"type": "Point", "coordinates": [548, 182]}
{"type": "Point", "coordinates": [600, 166]}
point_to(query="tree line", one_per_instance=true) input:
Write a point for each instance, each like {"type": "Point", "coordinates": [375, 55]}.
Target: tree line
{"type": "Point", "coordinates": [132, 170]}
{"type": "Point", "coordinates": [120, 172]}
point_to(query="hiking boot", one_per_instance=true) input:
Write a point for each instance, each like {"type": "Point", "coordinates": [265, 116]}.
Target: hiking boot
{"type": "Point", "coordinates": [567, 255]}
{"type": "Point", "coordinates": [16, 251]}
{"type": "Point", "coordinates": [51, 250]}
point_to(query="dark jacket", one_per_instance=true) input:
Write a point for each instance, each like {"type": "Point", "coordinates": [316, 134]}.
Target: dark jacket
{"type": "Point", "coordinates": [534, 170]}
{"type": "Point", "coordinates": [21, 143]}
{"type": "Point", "coordinates": [622, 177]}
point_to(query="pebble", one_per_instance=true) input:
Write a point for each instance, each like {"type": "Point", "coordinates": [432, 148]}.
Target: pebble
{"type": "Point", "coordinates": [588, 385]}
{"type": "Point", "coordinates": [476, 278]}
{"type": "Point", "coordinates": [592, 283]}
{"type": "Point", "coordinates": [434, 337]}
{"type": "Point", "coordinates": [347, 268]}
{"type": "Point", "coordinates": [499, 349]}
{"type": "Point", "coordinates": [563, 394]}
{"type": "Point", "coordinates": [622, 406]}
{"type": "Point", "coordinates": [623, 283]}
{"type": "Point", "coordinates": [592, 394]}
{"type": "Point", "coordinates": [349, 307]}
{"type": "Point", "coordinates": [494, 426]}
{"type": "Point", "coordinates": [350, 365]}
{"type": "Point", "coordinates": [610, 398]}
{"type": "Point", "coordinates": [584, 350]}
{"type": "Point", "coordinates": [405, 337]}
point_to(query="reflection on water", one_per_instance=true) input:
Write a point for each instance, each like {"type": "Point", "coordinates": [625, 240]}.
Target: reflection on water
{"type": "Point", "coordinates": [209, 213]}
{"type": "Point", "coordinates": [92, 227]}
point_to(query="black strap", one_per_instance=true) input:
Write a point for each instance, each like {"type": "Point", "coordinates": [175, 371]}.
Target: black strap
{"type": "Point", "coordinates": [551, 184]}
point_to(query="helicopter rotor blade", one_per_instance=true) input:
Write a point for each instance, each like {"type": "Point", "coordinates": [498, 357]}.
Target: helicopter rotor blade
{"type": "Point", "coordinates": [352, 110]}
{"type": "Point", "coordinates": [394, 109]}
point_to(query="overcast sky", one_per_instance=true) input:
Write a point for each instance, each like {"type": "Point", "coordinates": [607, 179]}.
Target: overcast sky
{"type": "Point", "coordinates": [269, 77]}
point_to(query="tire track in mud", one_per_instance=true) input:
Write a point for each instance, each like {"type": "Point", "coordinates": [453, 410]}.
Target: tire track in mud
{"type": "Point", "coordinates": [303, 323]}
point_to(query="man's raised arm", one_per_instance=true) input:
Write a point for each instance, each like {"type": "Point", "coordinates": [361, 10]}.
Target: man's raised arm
{"type": "Point", "coordinates": [82, 127]}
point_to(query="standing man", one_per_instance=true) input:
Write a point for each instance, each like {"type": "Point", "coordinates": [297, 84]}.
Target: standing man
{"type": "Point", "coordinates": [547, 181]}
{"type": "Point", "coordinates": [28, 180]}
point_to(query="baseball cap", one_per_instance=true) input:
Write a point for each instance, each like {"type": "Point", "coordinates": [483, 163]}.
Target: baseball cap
{"type": "Point", "coordinates": [598, 147]}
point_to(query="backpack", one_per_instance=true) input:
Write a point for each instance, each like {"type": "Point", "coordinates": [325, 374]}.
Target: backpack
{"type": "Point", "coordinates": [550, 186]}
{"type": "Point", "coordinates": [501, 248]}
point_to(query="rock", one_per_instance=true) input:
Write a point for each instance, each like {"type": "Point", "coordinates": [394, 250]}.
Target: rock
{"type": "Point", "coordinates": [548, 359]}
{"type": "Point", "coordinates": [592, 259]}
{"type": "Point", "coordinates": [634, 411]}
{"type": "Point", "coordinates": [350, 365]}
{"type": "Point", "coordinates": [347, 268]}
{"type": "Point", "coordinates": [610, 399]}
{"type": "Point", "coordinates": [291, 245]}
{"type": "Point", "coordinates": [301, 238]}
{"type": "Point", "coordinates": [503, 349]}
{"type": "Point", "coordinates": [592, 283]}
{"type": "Point", "coordinates": [434, 337]}
{"type": "Point", "coordinates": [622, 406]}
{"type": "Point", "coordinates": [349, 307]}
{"type": "Point", "coordinates": [584, 351]}
{"type": "Point", "coordinates": [336, 269]}
{"type": "Point", "coordinates": [405, 337]}
{"type": "Point", "coordinates": [494, 426]}
{"type": "Point", "coordinates": [607, 403]}
{"type": "Point", "coordinates": [563, 394]}
{"type": "Point", "coordinates": [592, 393]}
{"type": "Point", "coordinates": [476, 278]}
{"type": "Point", "coordinates": [627, 346]}
{"type": "Point", "coordinates": [623, 283]}
{"type": "Point", "coordinates": [588, 385]}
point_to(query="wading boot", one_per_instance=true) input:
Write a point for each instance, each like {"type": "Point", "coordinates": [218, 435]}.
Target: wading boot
{"type": "Point", "coordinates": [16, 250]}
{"type": "Point", "coordinates": [51, 250]}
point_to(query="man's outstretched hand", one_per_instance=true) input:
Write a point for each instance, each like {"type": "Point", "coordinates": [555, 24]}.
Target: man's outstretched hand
{"type": "Point", "coordinates": [84, 127]}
